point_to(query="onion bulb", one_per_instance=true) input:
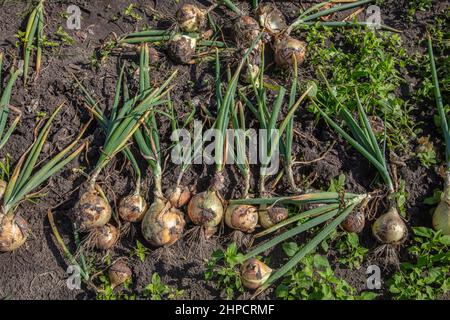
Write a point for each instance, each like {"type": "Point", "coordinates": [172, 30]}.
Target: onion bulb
{"type": "Point", "coordinates": [92, 210]}
{"type": "Point", "coordinates": [178, 196]}
{"type": "Point", "coordinates": [254, 273]}
{"type": "Point", "coordinates": [132, 207]}
{"type": "Point", "coordinates": [268, 217]}
{"type": "Point", "coordinates": [119, 273]}
{"type": "Point", "coordinates": [247, 30]}
{"type": "Point", "coordinates": [163, 224]}
{"type": "Point", "coordinates": [441, 216]}
{"type": "Point", "coordinates": [286, 48]}
{"type": "Point", "coordinates": [241, 217]}
{"type": "Point", "coordinates": [3, 185]}
{"type": "Point", "coordinates": [105, 237]}
{"type": "Point", "coordinates": [190, 18]}
{"type": "Point", "coordinates": [182, 48]}
{"type": "Point", "coordinates": [206, 209]}
{"type": "Point", "coordinates": [13, 232]}
{"type": "Point", "coordinates": [354, 222]}
{"type": "Point", "coordinates": [271, 18]}
{"type": "Point", "coordinates": [390, 228]}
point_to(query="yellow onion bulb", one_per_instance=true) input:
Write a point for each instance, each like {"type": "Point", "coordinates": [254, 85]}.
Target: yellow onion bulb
{"type": "Point", "coordinates": [254, 273]}
{"type": "Point", "coordinates": [92, 210]}
{"type": "Point", "coordinates": [163, 224]}
{"type": "Point", "coordinates": [190, 18]}
{"type": "Point", "coordinates": [354, 222]}
{"type": "Point", "coordinates": [271, 18]}
{"type": "Point", "coordinates": [182, 48]}
{"type": "Point", "coordinates": [286, 48]}
{"type": "Point", "coordinates": [441, 215]}
{"type": "Point", "coordinates": [268, 217]}
{"type": "Point", "coordinates": [119, 272]}
{"type": "Point", "coordinates": [132, 207]}
{"type": "Point", "coordinates": [241, 217]}
{"type": "Point", "coordinates": [178, 196]}
{"type": "Point", "coordinates": [3, 185]}
{"type": "Point", "coordinates": [246, 30]}
{"type": "Point", "coordinates": [13, 232]}
{"type": "Point", "coordinates": [206, 209]}
{"type": "Point", "coordinates": [105, 237]}
{"type": "Point", "coordinates": [390, 228]}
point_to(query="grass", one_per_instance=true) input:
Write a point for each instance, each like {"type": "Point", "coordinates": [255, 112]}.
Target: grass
{"type": "Point", "coordinates": [425, 277]}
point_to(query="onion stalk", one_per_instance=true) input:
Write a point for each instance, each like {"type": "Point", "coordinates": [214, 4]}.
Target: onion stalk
{"type": "Point", "coordinates": [335, 208]}
{"type": "Point", "coordinates": [389, 228]}
{"type": "Point", "coordinates": [441, 216]}
{"type": "Point", "coordinates": [13, 228]}
{"type": "Point", "coordinates": [33, 38]}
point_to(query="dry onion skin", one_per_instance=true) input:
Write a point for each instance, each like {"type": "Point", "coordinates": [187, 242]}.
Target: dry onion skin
{"type": "Point", "coordinates": [354, 222]}
{"type": "Point", "coordinates": [441, 215]}
{"type": "Point", "coordinates": [190, 18]}
{"type": "Point", "coordinates": [286, 48]}
{"type": "Point", "coordinates": [241, 217]}
{"type": "Point", "coordinates": [132, 207]}
{"type": "Point", "coordinates": [271, 18]}
{"type": "Point", "coordinates": [206, 209]}
{"type": "Point", "coordinates": [105, 237]}
{"type": "Point", "coordinates": [268, 217]}
{"type": "Point", "coordinates": [246, 29]}
{"type": "Point", "coordinates": [13, 232]}
{"type": "Point", "coordinates": [182, 49]}
{"type": "Point", "coordinates": [92, 210]}
{"type": "Point", "coordinates": [119, 273]}
{"type": "Point", "coordinates": [163, 224]}
{"type": "Point", "coordinates": [390, 228]}
{"type": "Point", "coordinates": [178, 196]}
{"type": "Point", "coordinates": [254, 273]}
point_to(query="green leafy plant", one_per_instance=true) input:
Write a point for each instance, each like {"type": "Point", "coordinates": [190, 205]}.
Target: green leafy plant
{"type": "Point", "coordinates": [131, 13]}
{"type": "Point", "coordinates": [426, 277]}
{"type": "Point", "coordinates": [222, 269]}
{"type": "Point", "coordinates": [140, 251]}
{"type": "Point", "coordinates": [417, 5]}
{"type": "Point", "coordinates": [351, 253]}
{"type": "Point", "coordinates": [313, 279]}
{"type": "Point", "coordinates": [157, 290]}
{"type": "Point", "coordinates": [64, 37]}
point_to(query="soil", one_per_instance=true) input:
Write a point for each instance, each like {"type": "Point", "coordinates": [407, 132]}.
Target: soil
{"type": "Point", "coordinates": [38, 269]}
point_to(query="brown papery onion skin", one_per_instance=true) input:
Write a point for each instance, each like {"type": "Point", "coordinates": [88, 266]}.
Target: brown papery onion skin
{"type": "Point", "coordinates": [241, 217]}
{"type": "Point", "coordinates": [178, 196]}
{"type": "Point", "coordinates": [389, 228]}
{"type": "Point", "coordinates": [254, 273]}
{"type": "Point", "coordinates": [206, 209]}
{"type": "Point", "coordinates": [132, 207]}
{"type": "Point", "coordinates": [190, 18]}
{"type": "Point", "coordinates": [270, 216]}
{"type": "Point", "coordinates": [286, 48]}
{"type": "Point", "coordinates": [14, 232]}
{"type": "Point", "coordinates": [354, 222]}
{"type": "Point", "coordinates": [92, 211]}
{"type": "Point", "coordinates": [119, 273]}
{"type": "Point", "coordinates": [106, 237]}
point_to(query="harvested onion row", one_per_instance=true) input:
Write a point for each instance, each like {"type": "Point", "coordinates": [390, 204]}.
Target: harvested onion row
{"type": "Point", "coordinates": [14, 229]}
{"type": "Point", "coordinates": [162, 224]}
{"type": "Point", "coordinates": [389, 228]}
{"type": "Point", "coordinates": [441, 216]}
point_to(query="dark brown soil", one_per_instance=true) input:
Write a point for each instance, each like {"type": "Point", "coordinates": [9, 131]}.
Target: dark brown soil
{"type": "Point", "coordinates": [38, 269]}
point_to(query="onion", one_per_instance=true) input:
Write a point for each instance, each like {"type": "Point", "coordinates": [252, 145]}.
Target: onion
{"type": "Point", "coordinates": [271, 18]}
{"type": "Point", "coordinates": [206, 209]}
{"type": "Point", "coordinates": [271, 216]}
{"type": "Point", "coordinates": [178, 196]}
{"type": "Point", "coordinates": [441, 216]}
{"type": "Point", "coordinates": [191, 18]}
{"type": "Point", "coordinates": [132, 207]}
{"type": "Point", "coordinates": [254, 273]}
{"type": "Point", "coordinates": [247, 29]}
{"type": "Point", "coordinates": [92, 210]}
{"type": "Point", "coordinates": [354, 222]}
{"type": "Point", "coordinates": [3, 185]}
{"type": "Point", "coordinates": [119, 273]}
{"type": "Point", "coordinates": [13, 232]}
{"type": "Point", "coordinates": [241, 217]}
{"type": "Point", "coordinates": [162, 224]}
{"type": "Point", "coordinates": [105, 237]}
{"type": "Point", "coordinates": [286, 48]}
{"type": "Point", "coordinates": [182, 48]}
{"type": "Point", "coordinates": [390, 228]}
